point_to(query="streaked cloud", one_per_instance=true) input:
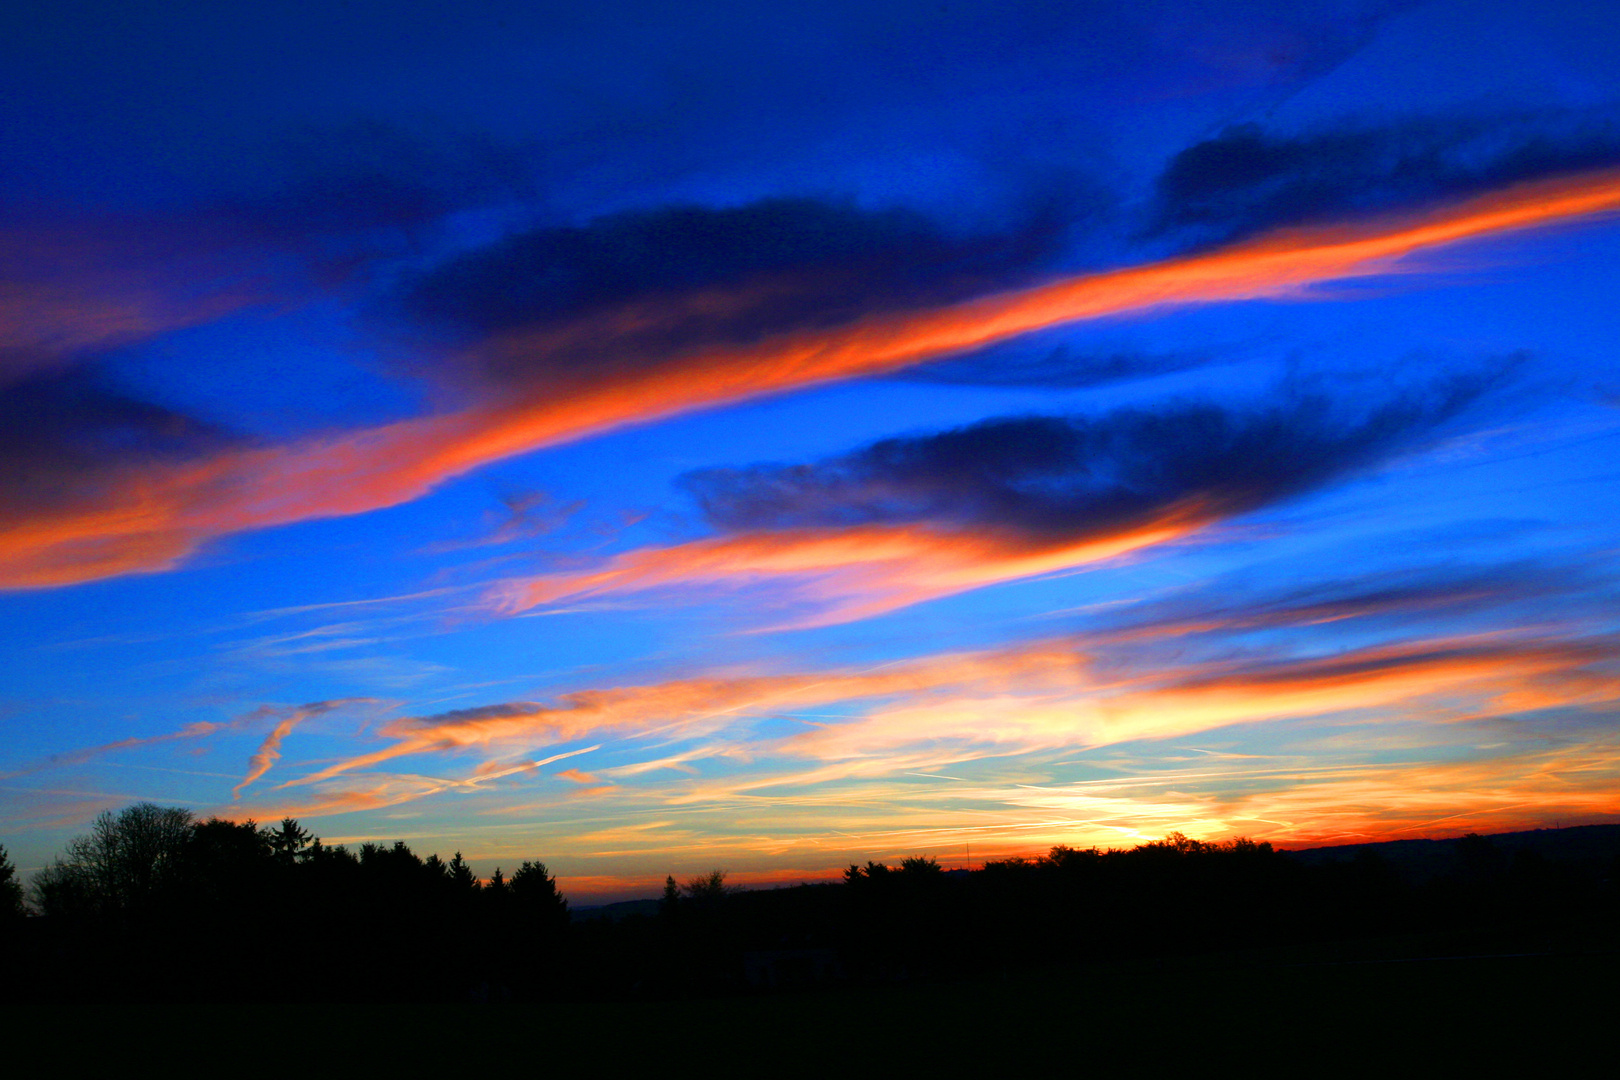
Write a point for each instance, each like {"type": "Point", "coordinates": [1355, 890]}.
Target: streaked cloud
{"type": "Point", "coordinates": [1245, 178]}
{"type": "Point", "coordinates": [913, 518]}
{"type": "Point", "coordinates": [196, 730]}
{"type": "Point", "coordinates": [269, 751]}
{"type": "Point", "coordinates": [156, 517]}
{"type": "Point", "coordinates": [746, 735]}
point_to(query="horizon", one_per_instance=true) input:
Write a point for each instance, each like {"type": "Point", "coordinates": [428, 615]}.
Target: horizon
{"type": "Point", "coordinates": [652, 441]}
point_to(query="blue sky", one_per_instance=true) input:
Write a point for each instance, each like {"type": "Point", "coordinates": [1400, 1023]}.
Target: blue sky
{"type": "Point", "coordinates": [651, 440]}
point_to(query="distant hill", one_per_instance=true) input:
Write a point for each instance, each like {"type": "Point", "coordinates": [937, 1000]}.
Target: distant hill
{"type": "Point", "coordinates": [1422, 859]}
{"type": "Point", "coordinates": [615, 912]}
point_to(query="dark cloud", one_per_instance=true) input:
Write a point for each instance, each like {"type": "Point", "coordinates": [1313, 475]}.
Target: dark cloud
{"type": "Point", "coordinates": [1056, 475]}
{"type": "Point", "coordinates": [61, 434]}
{"type": "Point", "coordinates": [1423, 594]}
{"type": "Point", "coordinates": [1246, 179]}
{"type": "Point", "coordinates": [373, 175]}
{"type": "Point", "coordinates": [658, 281]}
{"type": "Point", "coordinates": [1060, 367]}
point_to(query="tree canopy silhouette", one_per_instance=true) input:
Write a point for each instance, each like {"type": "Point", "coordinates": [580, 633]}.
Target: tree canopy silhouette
{"type": "Point", "coordinates": [288, 840]}
{"type": "Point", "coordinates": [535, 891]}
{"type": "Point", "coordinates": [122, 866]}
{"type": "Point", "coordinates": [707, 888]}
{"type": "Point", "coordinates": [152, 901]}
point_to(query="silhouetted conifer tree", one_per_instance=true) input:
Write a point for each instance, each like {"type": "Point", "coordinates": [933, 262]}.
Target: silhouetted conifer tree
{"type": "Point", "coordinates": [671, 899]}
{"type": "Point", "coordinates": [535, 891]}
{"type": "Point", "coordinates": [288, 840]}
{"type": "Point", "coordinates": [11, 891]}
{"type": "Point", "coordinates": [461, 875]}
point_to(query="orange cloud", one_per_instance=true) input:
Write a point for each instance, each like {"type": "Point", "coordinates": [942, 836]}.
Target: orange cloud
{"type": "Point", "coordinates": [269, 751]}
{"type": "Point", "coordinates": [688, 707]}
{"type": "Point", "coordinates": [375, 793]}
{"type": "Point", "coordinates": [863, 570]}
{"type": "Point", "coordinates": [804, 833]}
{"type": "Point", "coordinates": [924, 715]}
{"type": "Point", "coordinates": [577, 776]}
{"type": "Point", "coordinates": [150, 520]}
{"type": "Point", "coordinates": [1444, 680]}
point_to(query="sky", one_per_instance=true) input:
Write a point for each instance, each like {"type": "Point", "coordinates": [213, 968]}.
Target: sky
{"type": "Point", "coordinates": [658, 438]}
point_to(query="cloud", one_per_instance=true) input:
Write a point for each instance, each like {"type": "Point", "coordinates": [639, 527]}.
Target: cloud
{"type": "Point", "coordinates": [578, 776]}
{"type": "Point", "coordinates": [1071, 692]}
{"type": "Point", "coordinates": [202, 729]}
{"type": "Point", "coordinates": [158, 516]}
{"type": "Point", "coordinates": [269, 751]}
{"type": "Point", "coordinates": [73, 289]}
{"type": "Point", "coordinates": [527, 514]}
{"type": "Point", "coordinates": [335, 181]}
{"type": "Point", "coordinates": [1246, 179]}
{"type": "Point", "coordinates": [1339, 798]}
{"type": "Point", "coordinates": [66, 430]}
{"type": "Point", "coordinates": [1517, 594]}
{"type": "Point", "coordinates": [849, 573]}
{"type": "Point", "coordinates": [1357, 669]}
{"type": "Point", "coordinates": [912, 518]}
{"type": "Point", "coordinates": [1435, 680]}
{"type": "Point", "coordinates": [1059, 367]}
{"type": "Point", "coordinates": [77, 284]}
{"type": "Point", "coordinates": [495, 770]}
{"type": "Point", "coordinates": [658, 282]}
{"type": "Point", "coordinates": [197, 730]}
{"type": "Point", "coordinates": [689, 707]}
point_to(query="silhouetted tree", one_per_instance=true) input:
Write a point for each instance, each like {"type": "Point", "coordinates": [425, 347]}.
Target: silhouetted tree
{"type": "Point", "coordinates": [707, 888]}
{"type": "Point", "coordinates": [1064, 857]}
{"type": "Point", "coordinates": [858, 874]}
{"type": "Point", "coordinates": [288, 840]}
{"type": "Point", "coordinates": [122, 865]}
{"type": "Point", "coordinates": [535, 891]}
{"type": "Point", "coordinates": [461, 875]}
{"type": "Point", "coordinates": [11, 891]}
{"type": "Point", "coordinates": [227, 865]}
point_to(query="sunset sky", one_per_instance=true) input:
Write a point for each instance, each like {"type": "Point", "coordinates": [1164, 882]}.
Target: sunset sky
{"type": "Point", "coordinates": [653, 438]}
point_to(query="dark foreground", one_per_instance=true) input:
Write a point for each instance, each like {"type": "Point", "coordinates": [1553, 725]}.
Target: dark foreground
{"type": "Point", "coordinates": [255, 950]}
{"type": "Point", "coordinates": [1311, 1013]}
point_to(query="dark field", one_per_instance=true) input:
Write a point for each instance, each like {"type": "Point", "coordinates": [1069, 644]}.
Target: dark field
{"type": "Point", "coordinates": [1311, 1013]}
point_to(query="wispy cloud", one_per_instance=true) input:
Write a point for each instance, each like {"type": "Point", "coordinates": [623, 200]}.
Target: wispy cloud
{"type": "Point", "coordinates": [684, 708]}
{"type": "Point", "coordinates": [267, 754]}
{"type": "Point", "coordinates": [152, 518]}
{"type": "Point", "coordinates": [196, 730]}
{"type": "Point", "coordinates": [269, 751]}
{"type": "Point", "coordinates": [1246, 178]}
{"type": "Point", "coordinates": [913, 518]}
{"type": "Point", "coordinates": [1147, 673]}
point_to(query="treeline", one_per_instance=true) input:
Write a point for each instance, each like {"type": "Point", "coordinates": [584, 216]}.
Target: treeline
{"type": "Point", "coordinates": [1175, 897]}
{"type": "Point", "coordinates": [153, 903]}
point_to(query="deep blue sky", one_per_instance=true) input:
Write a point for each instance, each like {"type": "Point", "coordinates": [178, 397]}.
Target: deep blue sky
{"type": "Point", "coordinates": [812, 433]}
